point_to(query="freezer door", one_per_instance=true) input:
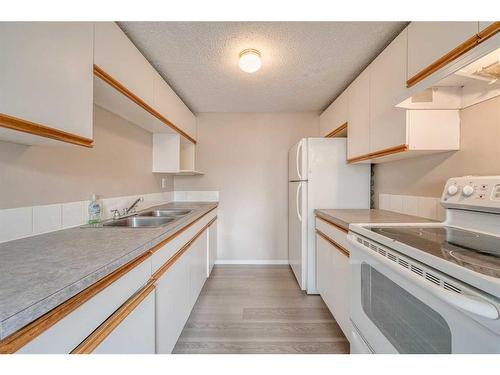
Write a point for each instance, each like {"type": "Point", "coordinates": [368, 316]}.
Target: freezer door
{"type": "Point", "coordinates": [297, 161]}
{"type": "Point", "coordinates": [297, 230]}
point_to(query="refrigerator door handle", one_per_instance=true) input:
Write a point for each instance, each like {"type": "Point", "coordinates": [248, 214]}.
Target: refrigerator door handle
{"type": "Point", "coordinates": [299, 190]}
{"type": "Point", "coordinates": [298, 157]}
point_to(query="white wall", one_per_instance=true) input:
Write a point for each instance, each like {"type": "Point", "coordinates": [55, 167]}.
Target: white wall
{"type": "Point", "coordinates": [245, 158]}
{"type": "Point", "coordinates": [119, 164]}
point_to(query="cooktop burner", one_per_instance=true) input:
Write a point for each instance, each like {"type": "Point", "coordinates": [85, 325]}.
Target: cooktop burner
{"type": "Point", "coordinates": [475, 251]}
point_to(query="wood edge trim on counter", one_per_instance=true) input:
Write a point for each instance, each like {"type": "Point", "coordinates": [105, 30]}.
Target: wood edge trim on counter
{"type": "Point", "coordinates": [88, 345]}
{"type": "Point", "coordinates": [165, 266]}
{"type": "Point", "coordinates": [14, 123]}
{"type": "Point", "coordinates": [141, 103]}
{"type": "Point", "coordinates": [332, 223]}
{"type": "Point", "coordinates": [342, 250]}
{"type": "Point", "coordinates": [158, 246]}
{"type": "Point", "coordinates": [458, 51]}
{"type": "Point", "coordinates": [20, 338]}
{"type": "Point", "coordinates": [378, 154]}
{"type": "Point", "coordinates": [337, 130]}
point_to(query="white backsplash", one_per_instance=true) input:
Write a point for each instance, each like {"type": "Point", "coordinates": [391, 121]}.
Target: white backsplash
{"type": "Point", "coordinates": [428, 207]}
{"type": "Point", "coordinates": [23, 222]}
{"type": "Point", "coordinates": [196, 196]}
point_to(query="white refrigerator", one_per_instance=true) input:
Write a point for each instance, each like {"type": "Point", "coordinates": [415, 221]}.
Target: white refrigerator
{"type": "Point", "coordinates": [319, 177]}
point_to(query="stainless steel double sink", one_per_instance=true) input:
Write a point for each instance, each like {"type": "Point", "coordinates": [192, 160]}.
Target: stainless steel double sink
{"type": "Point", "coordinates": [148, 219]}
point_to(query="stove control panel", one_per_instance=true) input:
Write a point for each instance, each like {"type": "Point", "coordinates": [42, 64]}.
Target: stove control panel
{"type": "Point", "coordinates": [476, 193]}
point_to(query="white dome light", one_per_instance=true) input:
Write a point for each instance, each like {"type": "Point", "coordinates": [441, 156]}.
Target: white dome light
{"type": "Point", "coordinates": [250, 60]}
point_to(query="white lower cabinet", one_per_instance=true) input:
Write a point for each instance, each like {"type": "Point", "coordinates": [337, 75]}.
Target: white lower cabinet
{"type": "Point", "coordinates": [197, 268]}
{"type": "Point", "coordinates": [212, 246]}
{"type": "Point", "coordinates": [172, 307]}
{"type": "Point", "coordinates": [176, 292]}
{"type": "Point", "coordinates": [141, 311]}
{"type": "Point", "coordinates": [69, 332]}
{"type": "Point", "coordinates": [135, 334]}
{"type": "Point", "coordinates": [333, 278]}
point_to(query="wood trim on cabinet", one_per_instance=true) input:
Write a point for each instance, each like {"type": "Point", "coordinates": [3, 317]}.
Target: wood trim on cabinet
{"type": "Point", "coordinates": [14, 123]}
{"type": "Point", "coordinates": [342, 250]}
{"type": "Point", "coordinates": [98, 72]}
{"type": "Point", "coordinates": [88, 345]}
{"type": "Point", "coordinates": [489, 31]}
{"type": "Point", "coordinates": [158, 246]}
{"type": "Point", "coordinates": [378, 154]}
{"type": "Point", "coordinates": [458, 51]}
{"type": "Point", "coordinates": [179, 253]}
{"type": "Point", "coordinates": [332, 223]}
{"type": "Point", "coordinates": [18, 339]}
{"type": "Point", "coordinates": [336, 131]}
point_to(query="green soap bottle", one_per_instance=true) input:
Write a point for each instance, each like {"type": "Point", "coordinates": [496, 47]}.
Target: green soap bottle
{"type": "Point", "coordinates": [94, 211]}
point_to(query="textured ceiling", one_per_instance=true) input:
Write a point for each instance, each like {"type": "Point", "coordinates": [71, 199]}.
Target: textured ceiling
{"type": "Point", "coordinates": [305, 64]}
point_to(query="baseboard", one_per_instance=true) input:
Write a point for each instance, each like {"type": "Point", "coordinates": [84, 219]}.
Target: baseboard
{"type": "Point", "coordinates": [252, 261]}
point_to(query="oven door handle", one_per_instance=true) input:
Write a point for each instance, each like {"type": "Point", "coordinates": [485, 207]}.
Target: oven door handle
{"type": "Point", "coordinates": [472, 304]}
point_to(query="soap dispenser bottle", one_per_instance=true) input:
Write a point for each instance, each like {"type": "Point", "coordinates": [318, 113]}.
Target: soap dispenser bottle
{"type": "Point", "coordinates": [94, 211]}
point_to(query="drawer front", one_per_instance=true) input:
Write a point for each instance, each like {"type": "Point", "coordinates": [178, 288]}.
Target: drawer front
{"type": "Point", "coordinates": [70, 331]}
{"type": "Point", "coordinates": [333, 232]}
{"type": "Point", "coordinates": [161, 255]}
{"type": "Point", "coordinates": [130, 330]}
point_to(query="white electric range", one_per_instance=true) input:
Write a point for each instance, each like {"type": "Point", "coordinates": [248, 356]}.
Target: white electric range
{"type": "Point", "coordinates": [433, 287]}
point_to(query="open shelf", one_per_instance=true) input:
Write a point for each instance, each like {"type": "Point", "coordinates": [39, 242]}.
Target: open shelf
{"type": "Point", "coordinates": [185, 172]}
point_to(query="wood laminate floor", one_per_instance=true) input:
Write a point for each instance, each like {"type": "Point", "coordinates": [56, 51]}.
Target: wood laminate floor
{"type": "Point", "coordinates": [259, 309]}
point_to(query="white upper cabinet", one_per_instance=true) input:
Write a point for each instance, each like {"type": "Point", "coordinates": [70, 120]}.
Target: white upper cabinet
{"type": "Point", "coordinates": [335, 115]}
{"type": "Point", "coordinates": [429, 41]}
{"type": "Point", "coordinates": [174, 155]}
{"type": "Point", "coordinates": [148, 101]}
{"type": "Point", "coordinates": [173, 108]}
{"type": "Point", "coordinates": [387, 84]}
{"type": "Point", "coordinates": [118, 57]}
{"type": "Point", "coordinates": [46, 82]}
{"type": "Point", "coordinates": [358, 129]}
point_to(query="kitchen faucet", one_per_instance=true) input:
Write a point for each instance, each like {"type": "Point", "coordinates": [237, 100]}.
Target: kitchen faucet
{"type": "Point", "coordinates": [127, 211]}
{"type": "Point", "coordinates": [132, 207]}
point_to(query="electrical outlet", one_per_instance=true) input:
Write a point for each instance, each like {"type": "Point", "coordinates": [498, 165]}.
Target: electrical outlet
{"type": "Point", "coordinates": [163, 182]}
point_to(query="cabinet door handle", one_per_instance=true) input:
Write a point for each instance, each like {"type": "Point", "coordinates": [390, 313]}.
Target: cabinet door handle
{"type": "Point", "coordinates": [88, 345]}
{"type": "Point", "coordinates": [342, 250]}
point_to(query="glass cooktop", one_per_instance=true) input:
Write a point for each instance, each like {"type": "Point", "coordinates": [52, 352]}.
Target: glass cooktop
{"type": "Point", "coordinates": [475, 251]}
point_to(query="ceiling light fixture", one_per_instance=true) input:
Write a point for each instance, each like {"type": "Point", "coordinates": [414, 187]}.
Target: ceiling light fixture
{"type": "Point", "coordinates": [250, 60]}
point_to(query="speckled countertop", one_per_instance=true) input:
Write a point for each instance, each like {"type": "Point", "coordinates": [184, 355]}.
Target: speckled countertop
{"type": "Point", "coordinates": [345, 217]}
{"type": "Point", "coordinates": [39, 273]}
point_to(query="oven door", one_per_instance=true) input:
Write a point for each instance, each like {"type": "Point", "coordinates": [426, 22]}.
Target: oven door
{"type": "Point", "coordinates": [399, 311]}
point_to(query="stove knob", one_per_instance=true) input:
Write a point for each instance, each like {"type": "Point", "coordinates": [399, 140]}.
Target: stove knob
{"type": "Point", "coordinates": [467, 190]}
{"type": "Point", "coordinates": [452, 189]}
